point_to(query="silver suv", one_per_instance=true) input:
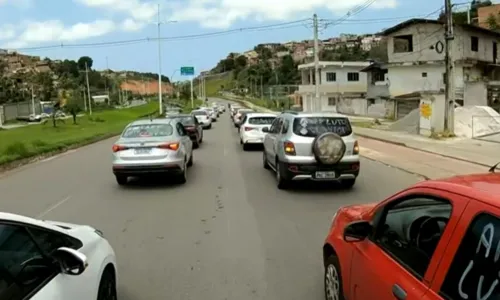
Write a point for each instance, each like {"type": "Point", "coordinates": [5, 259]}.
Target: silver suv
{"type": "Point", "coordinates": [311, 146]}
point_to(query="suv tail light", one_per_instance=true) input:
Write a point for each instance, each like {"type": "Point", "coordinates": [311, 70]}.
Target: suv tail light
{"type": "Point", "coordinates": [117, 148]}
{"type": "Point", "coordinates": [190, 128]}
{"type": "Point", "coordinates": [249, 128]}
{"type": "Point", "coordinates": [355, 150]}
{"type": "Point", "coordinates": [289, 148]}
{"type": "Point", "coordinates": [169, 146]}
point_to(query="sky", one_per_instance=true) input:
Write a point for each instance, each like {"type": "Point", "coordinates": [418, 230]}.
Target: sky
{"type": "Point", "coordinates": [121, 34]}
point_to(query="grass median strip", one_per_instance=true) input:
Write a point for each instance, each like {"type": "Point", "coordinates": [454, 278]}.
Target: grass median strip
{"type": "Point", "coordinates": [34, 140]}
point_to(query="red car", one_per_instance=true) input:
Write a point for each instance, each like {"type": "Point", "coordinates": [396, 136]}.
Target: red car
{"type": "Point", "coordinates": [439, 239]}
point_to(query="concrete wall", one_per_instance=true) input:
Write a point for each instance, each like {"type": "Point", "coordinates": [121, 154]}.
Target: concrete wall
{"type": "Point", "coordinates": [475, 94]}
{"type": "Point", "coordinates": [22, 109]}
{"type": "Point", "coordinates": [377, 89]}
{"type": "Point", "coordinates": [340, 85]}
{"type": "Point", "coordinates": [426, 36]}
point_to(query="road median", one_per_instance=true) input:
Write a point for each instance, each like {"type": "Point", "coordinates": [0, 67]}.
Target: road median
{"type": "Point", "coordinates": [30, 143]}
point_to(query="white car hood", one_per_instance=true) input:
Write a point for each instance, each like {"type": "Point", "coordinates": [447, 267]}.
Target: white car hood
{"type": "Point", "coordinates": [86, 234]}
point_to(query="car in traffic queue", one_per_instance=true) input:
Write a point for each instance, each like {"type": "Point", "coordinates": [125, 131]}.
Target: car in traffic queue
{"type": "Point", "coordinates": [212, 113]}
{"type": "Point", "coordinates": [192, 126]}
{"type": "Point", "coordinates": [203, 117]}
{"type": "Point", "coordinates": [251, 128]}
{"type": "Point", "coordinates": [438, 239]}
{"type": "Point", "coordinates": [156, 147]}
{"type": "Point", "coordinates": [234, 109]}
{"type": "Point", "coordinates": [242, 115]}
{"type": "Point", "coordinates": [311, 146]}
{"type": "Point", "coordinates": [238, 116]}
{"type": "Point", "coordinates": [48, 260]}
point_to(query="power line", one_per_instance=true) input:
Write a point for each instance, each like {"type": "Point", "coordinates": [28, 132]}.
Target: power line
{"type": "Point", "coordinates": [285, 25]}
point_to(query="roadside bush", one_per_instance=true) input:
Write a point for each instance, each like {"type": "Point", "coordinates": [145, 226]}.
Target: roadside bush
{"type": "Point", "coordinates": [17, 149]}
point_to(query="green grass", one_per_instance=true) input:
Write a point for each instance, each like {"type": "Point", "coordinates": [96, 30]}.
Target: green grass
{"type": "Point", "coordinates": [213, 84]}
{"type": "Point", "coordinates": [33, 140]}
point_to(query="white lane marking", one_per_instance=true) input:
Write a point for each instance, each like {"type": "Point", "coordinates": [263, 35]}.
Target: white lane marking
{"type": "Point", "coordinates": [53, 207]}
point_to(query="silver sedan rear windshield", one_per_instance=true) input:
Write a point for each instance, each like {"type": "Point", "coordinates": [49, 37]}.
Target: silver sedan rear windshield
{"type": "Point", "coordinates": [315, 126]}
{"type": "Point", "coordinates": [148, 130]}
{"type": "Point", "coordinates": [261, 120]}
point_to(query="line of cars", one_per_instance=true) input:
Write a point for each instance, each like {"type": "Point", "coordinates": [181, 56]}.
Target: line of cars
{"type": "Point", "coordinates": [162, 147]}
{"type": "Point", "coordinates": [301, 146]}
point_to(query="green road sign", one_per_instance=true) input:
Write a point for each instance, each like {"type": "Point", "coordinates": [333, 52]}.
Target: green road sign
{"type": "Point", "coordinates": [187, 71]}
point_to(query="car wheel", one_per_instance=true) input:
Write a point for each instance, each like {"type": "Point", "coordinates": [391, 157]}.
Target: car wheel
{"type": "Point", "coordinates": [209, 126]}
{"type": "Point", "coordinates": [182, 178]}
{"type": "Point", "coordinates": [107, 286]}
{"type": "Point", "coordinates": [190, 162]}
{"type": "Point", "coordinates": [121, 180]}
{"type": "Point", "coordinates": [333, 279]}
{"type": "Point", "coordinates": [264, 161]}
{"type": "Point", "coordinates": [282, 182]}
{"type": "Point", "coordinates": [196, 144]}
{"type": "Point", "coordinates": [245, 147]}
{"type": "Point", "coordinates": [348, 183]}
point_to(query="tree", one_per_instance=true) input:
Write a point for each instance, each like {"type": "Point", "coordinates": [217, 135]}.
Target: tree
{"type": "Point", "coordinates": [492, 22]}
{"type": "Point", "coordinates": [73, 106]}
{"type": "Point", "coordinates": [378, 52]}
{"type": "Point", "coordinates": [84, 60]}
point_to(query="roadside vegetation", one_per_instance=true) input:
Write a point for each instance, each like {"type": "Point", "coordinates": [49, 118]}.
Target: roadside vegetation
{"type": "Point", "coordinates": [33, 140]}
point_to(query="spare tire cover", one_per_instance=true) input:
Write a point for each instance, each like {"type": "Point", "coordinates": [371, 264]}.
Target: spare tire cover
{"type": "Point", "coordinates": [329, 148]}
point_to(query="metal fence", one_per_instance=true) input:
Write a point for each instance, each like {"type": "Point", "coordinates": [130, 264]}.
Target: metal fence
{"type": "Point", "coordinates": [12, 111]}
{"type": "Point", "coordinates": [486, 128]}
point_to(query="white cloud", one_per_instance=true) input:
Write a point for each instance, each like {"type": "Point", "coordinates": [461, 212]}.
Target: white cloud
{"type": "Point", "coordinates": [132, 25]}
{"type": "Point", "coordinates": [136, 9]}
{"type": "Point", "coordinates": [222, 14]}
{"type": "Point", "coordinates": [7, 32]}
{"type": "Point", "coordinates": [56, 31]}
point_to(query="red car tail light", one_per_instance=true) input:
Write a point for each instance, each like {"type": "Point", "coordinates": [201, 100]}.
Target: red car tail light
{"type": "Point", "coordinates": [169, 146]}
{"type": "Point", "coordinates": [190, 128]}
{"type": "Point", "coordinates": [117, 148]}
{"type": "Point", "coordinates": [249, 128]}
{"type": "Point", "coordinates": [289, 148]}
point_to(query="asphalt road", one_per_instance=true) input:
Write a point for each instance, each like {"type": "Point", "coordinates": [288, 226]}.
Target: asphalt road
{"type": "Point", "coordinates": [229, 233]}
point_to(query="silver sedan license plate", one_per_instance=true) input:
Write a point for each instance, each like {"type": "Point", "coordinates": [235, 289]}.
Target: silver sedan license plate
{"type": "Point", "coordinates": [142, 151]}
{"type": "Point", "coordinates": [325, 175]}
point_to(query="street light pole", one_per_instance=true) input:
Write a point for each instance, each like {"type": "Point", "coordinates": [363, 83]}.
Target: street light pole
{"type": "Point", "coordinates": [160, 100]}
{"type": "Point", "coordinates": [88, 87]}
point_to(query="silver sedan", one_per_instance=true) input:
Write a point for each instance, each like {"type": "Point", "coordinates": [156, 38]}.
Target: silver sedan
{"type": "Point", "coordinates": [159, 147]}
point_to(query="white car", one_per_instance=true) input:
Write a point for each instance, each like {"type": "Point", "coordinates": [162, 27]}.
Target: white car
{"type": "Point", "coordinates": [46, 260]}
{"type": "Point", "coordinates": [251, 128]}
{"type": "Point", "coordinates": [213, 114]}
{"type": "Point", "coordinates": [203, 117]}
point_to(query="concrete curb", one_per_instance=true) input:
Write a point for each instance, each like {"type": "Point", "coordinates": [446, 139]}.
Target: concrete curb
{"type": "Point", "coordinates": [422, 150]}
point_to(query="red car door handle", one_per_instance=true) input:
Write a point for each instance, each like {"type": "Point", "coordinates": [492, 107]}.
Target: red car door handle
{"type": "Point", "coordinates": [398, 292]}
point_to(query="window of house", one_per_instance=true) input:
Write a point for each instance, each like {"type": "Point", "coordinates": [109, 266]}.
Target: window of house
{"type": "Point", "coordinates": [331, 76]}
{"type": "Point", "coordinates": [474, 43]}
{"type": "Point", "coordinates": [331, 101]}
{"type": "Point", "coordinates": [399, 232]}
{"type": "Point", "coordinates": [475, 262]}
{"type": "Point", "coordinates": [352, 76]}
{"type": "Point", "coordinates": [403, 43]}
{"type": "Point", "coordinates": [424, 74]}
{"type": "Point", "coordinates": [371, 102]}
{"type": "Point", "coordinates": [378, 76]}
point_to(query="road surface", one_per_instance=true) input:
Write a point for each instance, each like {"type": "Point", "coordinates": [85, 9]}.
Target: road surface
{"type": "Point", "coordinates": [229, 233]}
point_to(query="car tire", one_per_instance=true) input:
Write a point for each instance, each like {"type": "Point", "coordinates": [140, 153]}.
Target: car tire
{"type": "Point", "coordinates": [348, 183]}
{"type": "Point", "coordinates": [191, 161]}
{"type": "Point", "coordinates": [323, 157]}
{"type": "Point", "coordinates": [196, 144]}
{"type": "Point", "coordinates": [121, 180]}
{"type": "Point", "coordinates": [107, 286]}
{"type": "Point", "coordinates": [281, 182]}
{"type": "Point", "coordinates": [209, 126]}
{"type": "Point", "coordinates": [182, 178]}
{"type": "Point", "coordinates": [333, 279]}
{"type": "Point", "coordinates": [245, 147]}
{"type": "Point", "coordinates": [264, 161]}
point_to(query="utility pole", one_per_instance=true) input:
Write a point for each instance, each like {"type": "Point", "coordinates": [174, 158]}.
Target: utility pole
{"type": "Point", "coordinates": [449, 64]}
{"type": "Point", "coordinates": [88, 87]}
{"type": "Point", "coordinates": [84, 98]}
{"type": "Point", "coordinates": [317, 99]}
{"type": "Point", "coordinates": [106, 78]}
{"type": "Point", "coordinates": [160, 100]}
{"type": "Point", "coordinates": [261, 89]}
{"type": "Point", "coordinates": [33, 101]}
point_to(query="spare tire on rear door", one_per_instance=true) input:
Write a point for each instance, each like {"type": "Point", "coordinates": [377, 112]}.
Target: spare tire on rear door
{"type": "Point", "coordinates": [328, 148]}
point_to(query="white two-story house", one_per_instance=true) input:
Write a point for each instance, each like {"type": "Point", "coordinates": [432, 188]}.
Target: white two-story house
{"type": "Point", "coordinates": [342, 87]}
{"type": "Point", "coordinates": [416, 60]}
